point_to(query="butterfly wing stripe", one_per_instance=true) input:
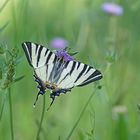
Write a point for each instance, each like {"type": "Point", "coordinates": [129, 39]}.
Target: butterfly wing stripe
{"type": "Point", "coordinates": [48, 71]}
{"type": "Point", "coordinates": [81, 73]}
{"type": "Point", "coordinates": [93, 77]}
{"type": "Point", "coordinates": [42, 58]}
{"type": "Point", "coordinates": [56, 71]}
{"type": "Point", "coordinates": [48, 57]}
{"type": "Point", "coordinates": [28, 52]}
{"type": "Point", "coordinates": [41, 73]}
{"type": "Point", "coordinates": [63, 78]}
{"type": "Point", "coordinates": [62, 82]}
{"type": "Point", "coordinates": [94, 74]}
{"type": "Point", "coordinates": [39, 54]}
{"type": "Point", "coordinates": [78, 65]}
{"type": "Point", "coordinates": [73, 76]}
{"type": "Point", "coordinates": [36, 49]}
{"type": "Point", "coordinates": [78, 75]}
{"type": "Point", "coordinates": [46, 52]}
{"type": "Point", "coordinates": [64, 73]}
{"type": "Point", "coordinates": [88, 68]}
{"type": "Point", "coordinates": [67, 83]}
{"type": "Point", "coordinates": [84, 77]}
{"type": "Point", "coordinates": [55, 59]}
{"type": "Point", "coordinates": [73, 67]}
{"type": "Point", "coordinates": [70, 74]}
{"type": "Point", "coordinates": [98, 77]}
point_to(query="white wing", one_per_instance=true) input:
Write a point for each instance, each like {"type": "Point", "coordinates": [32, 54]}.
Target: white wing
{"type": "Point", "coordinates": [40, 58]}
{"type": "Point", "coordinates": [77, 74]}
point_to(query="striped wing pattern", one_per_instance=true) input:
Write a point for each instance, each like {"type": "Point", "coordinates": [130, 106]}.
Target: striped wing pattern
{"type": "Point", "coordinates": [64, 74]}
{"type": "Point", "coordinates": [37, 55]}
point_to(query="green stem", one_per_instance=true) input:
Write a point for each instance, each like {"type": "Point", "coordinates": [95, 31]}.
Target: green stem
{"type": "Point", "coordinates": [11, 113]}
{"type": "Point", "coordinates": [41, 120]}
{"type": "Point", "coordinates": [2, 108]}
{"type": "Point", "coordinates": [80, 116]}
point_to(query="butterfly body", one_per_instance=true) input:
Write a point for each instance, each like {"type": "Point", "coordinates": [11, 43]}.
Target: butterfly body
{"type": "Point", "coordinates": [53, 72]}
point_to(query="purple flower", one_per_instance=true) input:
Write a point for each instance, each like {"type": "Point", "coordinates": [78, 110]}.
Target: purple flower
{"type": "Point", "coordinates": [59, 43]}
{"type": "Point", "coordinates": [63, 54]}
{"type": "Point", "coordinates": [112, 8]}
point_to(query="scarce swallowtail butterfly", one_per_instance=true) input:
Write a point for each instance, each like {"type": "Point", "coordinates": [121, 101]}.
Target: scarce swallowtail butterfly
{"type": "Point", "coordinates": [55, 73]}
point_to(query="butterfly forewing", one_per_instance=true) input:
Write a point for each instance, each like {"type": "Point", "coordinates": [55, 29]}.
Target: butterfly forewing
{"type": "Point", "coordinates": [79, 75]}
{"type": "Point", "coordinates": [37, 55]}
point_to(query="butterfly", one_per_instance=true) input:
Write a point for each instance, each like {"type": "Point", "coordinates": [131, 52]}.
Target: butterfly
{"type": "Point", "coordinates": [55, 73]}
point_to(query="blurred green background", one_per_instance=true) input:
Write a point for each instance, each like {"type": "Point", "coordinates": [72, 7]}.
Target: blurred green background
{"type": "Point", "coordinates": [108, 42]}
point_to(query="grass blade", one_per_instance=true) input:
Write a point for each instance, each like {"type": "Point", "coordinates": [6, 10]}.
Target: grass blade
{"type": "Point", "coordinates": [41, 120]}
{"type": "Point", "coordinates": [11, 113]}
{"type": "Point", "coordinates": [80, 116]}
{"type": "Point", "coordinates": [4, 26]}
{"type": "Point", "coordinates": [2, 108]}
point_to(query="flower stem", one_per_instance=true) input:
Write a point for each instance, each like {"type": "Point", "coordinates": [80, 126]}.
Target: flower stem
{"type": "Point", "coordinates": [80, 116]}
{"type": "Point", "coordinates": [11, 113]}
{"type": "Point", "coordinates": [41, 120]}
{"type": "Point", "coordinates": [2, 108]}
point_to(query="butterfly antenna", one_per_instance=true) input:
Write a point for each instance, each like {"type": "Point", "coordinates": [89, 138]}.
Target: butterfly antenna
{"type": "Point", "coordinates": [66, 49]}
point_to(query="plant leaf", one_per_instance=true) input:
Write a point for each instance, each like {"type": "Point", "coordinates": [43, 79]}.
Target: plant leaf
{"type": "Point", "coordinates": [18, 79]}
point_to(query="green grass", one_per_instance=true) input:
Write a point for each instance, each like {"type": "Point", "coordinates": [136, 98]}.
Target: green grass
{"type": "Point", "coordinates": [109, 43]}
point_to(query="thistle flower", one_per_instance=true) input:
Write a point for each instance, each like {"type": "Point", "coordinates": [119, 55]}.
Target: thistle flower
{"type": "Point", "coordinates": [112, 8]}
{"type": "Point", "coordinates": [59, 43]}
{"type": "Point", "coordinates": [63, 54]}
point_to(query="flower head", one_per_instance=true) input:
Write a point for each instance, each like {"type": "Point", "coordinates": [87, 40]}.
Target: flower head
{"type": "Point", "coordinates": [59, 43]}
{"type": "Point", "coordinates": [63, 54]}
{"type": "Point", "coordinates": [112, 8]}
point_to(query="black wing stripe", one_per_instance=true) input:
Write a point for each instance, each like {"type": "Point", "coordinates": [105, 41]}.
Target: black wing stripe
{"type": "Point", "coordinates": [39, 54]}
{"type": "Point", "coordinates": [90, 81]}
{"type": "Point", "coordinates": [94, 74]}
{"type": "Point", "coordinates": [78, 65]}
{"type": "Point", "coordinates": [59, 64]}
{"type": "Point", "coordinates": [29, 49]}
{"type": "Point", "coordinates": [88, 69]}
{"type": "Point", "coordinates": [64, 77]}
{"type": "Point", "coordinates": [66, 64]}
{"type": "Point", "coordinates": [80, 74]}
{"type": "Point", "coordinates": [55, 59]}
{"type": "Point", "coordinates": [28, 52]}
{"type": "Point", "coordinates": [73, 67]}
{"type": "Point", "coordinates": [93, 77]}
{"type": "Point", "coordinates": [65, 72]}
{"type": "Point", "coordinates": [49, 56]}
{"type": "Point", "coordinates": [36, 48]}
{"type": "Point", "coordinates": [46, 52]}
